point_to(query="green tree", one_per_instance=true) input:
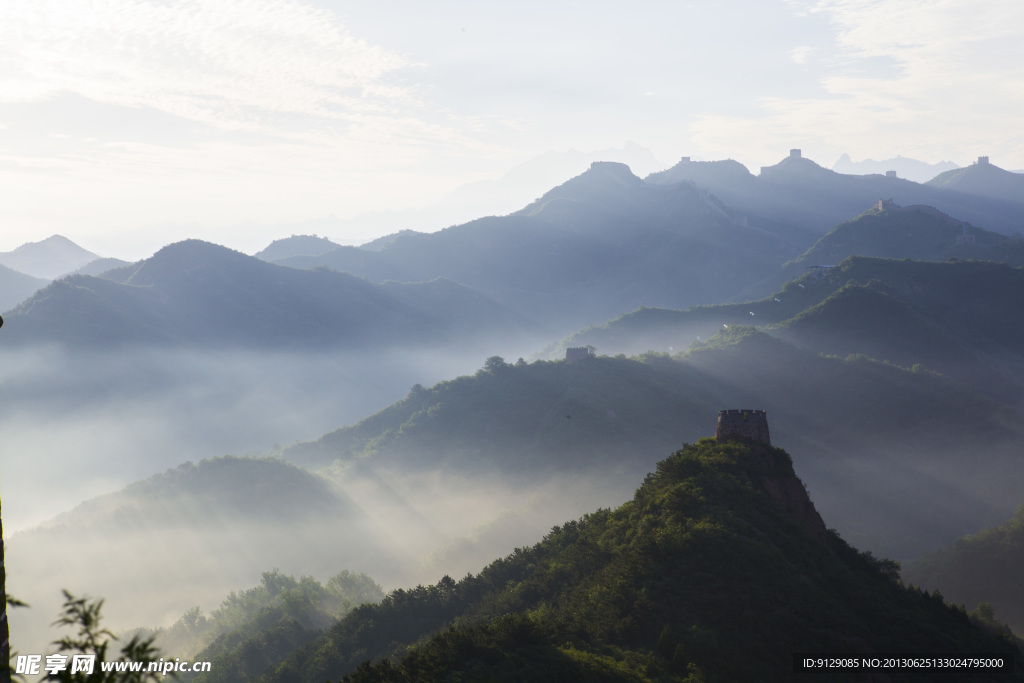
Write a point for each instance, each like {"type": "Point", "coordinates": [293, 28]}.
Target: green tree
{"type": "Point", "coordinates": [92, 639]}
{"type": "Point", "coordinates": [494, 364]}
{"type": "Point", "coordinates": [5, 633]}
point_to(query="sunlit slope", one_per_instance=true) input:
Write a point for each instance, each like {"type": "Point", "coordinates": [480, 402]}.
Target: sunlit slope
{"type": "Point", "coordinates": [984, 567]}
{"type": "Point", "coordinates": [199, 294]}
{"type": "Point", "coordinates": [187, 537]}
{"type": "Point", "coordinates": [596, 245]}
{"type": "Point", "coordinates": [894, 453]}
{"type": "Point", "coordinates": [965, 319]}
{"type": "Point", "coordinates": [798, 194]}
{"type": "Point", "coordinates": [719, 568]}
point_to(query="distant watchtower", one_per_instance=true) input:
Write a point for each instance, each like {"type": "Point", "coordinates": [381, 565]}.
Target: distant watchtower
{"type": "Point", "coordinates": [742, 425]}
{"type": "Point", "coordinates": [575, 353]}
{"type": "Point", "coordinates": [794, 154]}
{"type": "Point", "coordinates": [982, 161]}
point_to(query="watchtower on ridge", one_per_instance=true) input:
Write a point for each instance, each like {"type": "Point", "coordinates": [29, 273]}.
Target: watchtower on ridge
{"type": "Point", "coordinates": [577, 353]}
{"type": "Point", "coordinates": [742, 425]}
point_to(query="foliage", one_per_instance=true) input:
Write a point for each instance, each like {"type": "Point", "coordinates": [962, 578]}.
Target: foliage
{"type": "Point", "coordinates": [91, 638]}
{"type": "Point", "coordinates": [980, 568]}
{"type": "Point", "coordinates": [254, 629]}
{"type": "Point", "coordinates": [703, 575]}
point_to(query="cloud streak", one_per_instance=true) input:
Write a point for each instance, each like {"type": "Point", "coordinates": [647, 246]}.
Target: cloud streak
{"type": "Point", "coordinates": [896, 72]}
{"type": "Point", "coordinates": [234, 64]}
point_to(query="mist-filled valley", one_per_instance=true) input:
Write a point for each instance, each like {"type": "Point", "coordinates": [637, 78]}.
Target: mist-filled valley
{"type": "Point", "coordinates": [418, 408]}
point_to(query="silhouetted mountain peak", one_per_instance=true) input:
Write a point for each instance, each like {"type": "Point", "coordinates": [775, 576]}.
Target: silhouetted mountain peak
{"type": "Point", "coordinates": [603, 182]}
{"type": "Point", "coordinates": [795, 166]}
{"type": "Point", "coordinates": [49, 258]}
{"type": "Point", "coordinates": [296, 245]}
{"type": "Point", "coordinates": [704, 173]}
{"type": "Point", "coordinates": [186, 258]}
{"type": "Point", "coordinates": [982, 178]}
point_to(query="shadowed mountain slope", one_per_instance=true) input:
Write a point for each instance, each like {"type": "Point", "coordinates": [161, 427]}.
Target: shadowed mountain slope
{"type": "Point", "coordinates": [15, 287]}
{"type": "Point", "coordinates": [959, 318]}
{"type": "Point", "coordinates": [917, 232]}
{"type": "Point", "coordinates": [194, 294]}
{"type": "Point", "coordinates": [984, 567]}
{"type": "Point", "coordinates": [798, 192]}
{"type": "Point", "coordinates": [708, 573]}
{"type": "Point", "coordinates": [600, 243]}
{"type": "Point", "coordinates": [846, 421]}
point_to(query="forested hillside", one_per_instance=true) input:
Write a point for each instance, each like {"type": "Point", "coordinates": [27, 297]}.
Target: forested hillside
{"type": "Point", "coordinates": [845, 421]}
{"type": "Point", "coordinates": [921, 233]}
{"type": "Point", "coordinates": [718, 569]}
{"type": "Point", "coordinates": [960, 318]}
{"type": "Point", "coordinates": [983, 567]}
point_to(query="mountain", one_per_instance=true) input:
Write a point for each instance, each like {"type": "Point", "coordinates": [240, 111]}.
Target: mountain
{"type": "Point", "coordinates": [15, 287]}
{"type": "Point", "coordinates": [296, 245]}
{"type": "Point", "coordinates": [983, 567]}
{"type": "Point", "coordinates": [898, 232]}
{"type": "Point", "coordinates": [960, 318]}
{"type": "Point", "coordinates": [279, 606]}
{"type": "Point", "coordinates": [799, 194]}
{"type": "Point", "coordinates": [598, 244]}
{"type": "Point", "coordinates": [187, 537]}
{"type": "Point", "coordinates": [605, 419]}
{"type": "Point", "coordinates": [911, 169]}
{"type": "Point", "coordinates": [492, 197]}
{"type": "Point", "coordinates": [983, 179]}
{"type": "Point", "coordinates": [101, 265]}
{"type": "Point", "coordinates": [50, 258]}
{"type": "Point", "coordinates": [198, 294]}
{"type": "Point", "coordinates": [719, 568]}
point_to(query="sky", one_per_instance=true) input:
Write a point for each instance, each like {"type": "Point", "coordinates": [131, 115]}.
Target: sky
{"type": "Point", "coordinates": [129, 124]}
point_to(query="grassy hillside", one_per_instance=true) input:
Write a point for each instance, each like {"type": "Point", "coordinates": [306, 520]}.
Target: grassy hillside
{"type": "Point", "coordinates": [718, 569]}
{"type": "Point", "coordinates": [984, 567]}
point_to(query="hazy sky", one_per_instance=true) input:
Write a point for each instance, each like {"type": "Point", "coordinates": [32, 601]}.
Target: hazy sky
{"type": "Point", "coordinates": [126, 124]}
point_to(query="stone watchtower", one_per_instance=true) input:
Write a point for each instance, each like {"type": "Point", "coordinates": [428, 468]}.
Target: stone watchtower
{"type": "Point", "coordinates": [575, 353]}
{"type": "Point", "coordinates": [742, 425]}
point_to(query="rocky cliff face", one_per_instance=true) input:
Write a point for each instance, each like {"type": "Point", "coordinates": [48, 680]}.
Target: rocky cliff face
{"type": "Point", "coordinates": [780, 482]}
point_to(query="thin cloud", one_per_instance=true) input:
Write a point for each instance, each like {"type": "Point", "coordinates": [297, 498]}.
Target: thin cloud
{"type": "Point", "coordinates": [233, 64]}
{"type": "Point", "coordinates": [898, 70]}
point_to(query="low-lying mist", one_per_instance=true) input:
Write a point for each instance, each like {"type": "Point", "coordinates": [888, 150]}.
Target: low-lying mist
{"type": "Point", "coordinates": [78, 424]}
{"type": "Point", "coordinates": [160, 547]}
